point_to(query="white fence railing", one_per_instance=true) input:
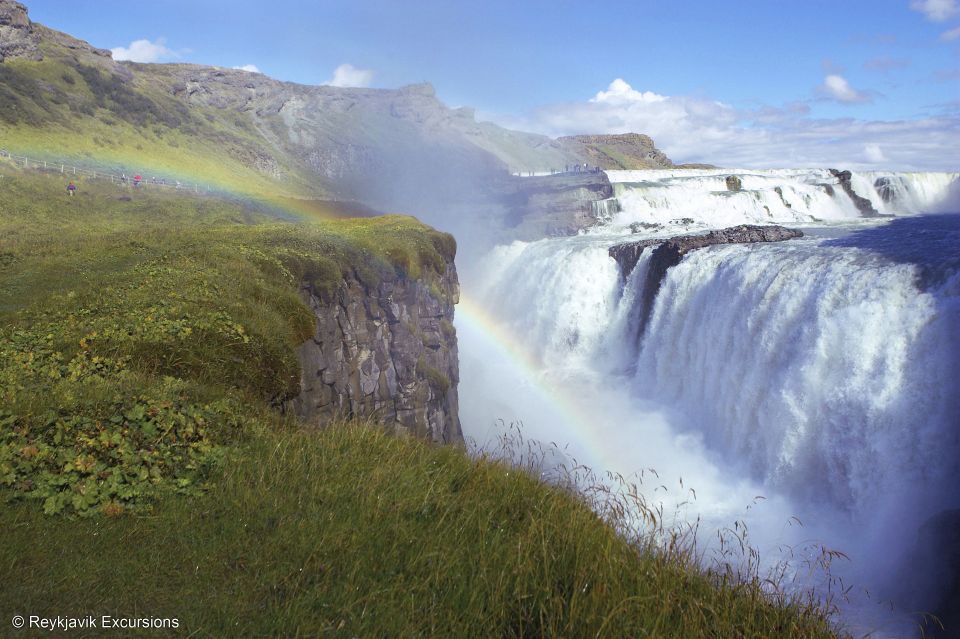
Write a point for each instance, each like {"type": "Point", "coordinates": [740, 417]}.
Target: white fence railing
{"type": "Point", "coordinates": [121, 178]}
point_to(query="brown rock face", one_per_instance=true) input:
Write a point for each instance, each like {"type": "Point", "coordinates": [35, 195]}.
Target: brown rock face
{"type": "Point", "coordinates": [669, 253]}
{"type": "Point", "coordinates": [734, 183]}
{"type": "Point", "coordinates": [17, 36]}
{"type": "Point", "coordinates": [389, 352]}
{"type": "Point", "coordinates": [13, 14]}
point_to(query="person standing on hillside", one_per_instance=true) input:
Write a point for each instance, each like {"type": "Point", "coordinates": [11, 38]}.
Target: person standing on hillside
{"type": "Point", "coordinates": [71, 188]}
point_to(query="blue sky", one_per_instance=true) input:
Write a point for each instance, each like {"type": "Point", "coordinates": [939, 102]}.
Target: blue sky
{"type": "Point", "coordinates": [761, 82]}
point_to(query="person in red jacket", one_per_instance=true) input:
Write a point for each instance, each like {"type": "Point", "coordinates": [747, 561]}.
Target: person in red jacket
{"type": "Point", "coordinates": [136, 180]}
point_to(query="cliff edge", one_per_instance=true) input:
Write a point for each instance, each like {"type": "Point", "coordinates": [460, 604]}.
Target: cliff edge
{"type": "Point", "coordinates": [386, 351]}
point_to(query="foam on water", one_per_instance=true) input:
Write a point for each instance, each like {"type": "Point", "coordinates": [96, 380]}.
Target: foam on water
{"type": "Point", "coordinates": [791, 196]}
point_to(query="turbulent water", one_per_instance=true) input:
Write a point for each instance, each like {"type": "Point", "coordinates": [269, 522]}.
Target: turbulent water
{"type": "Point", "coordinates": [774, 196]}
{"type": "Point", "coordinates": [821, 373]}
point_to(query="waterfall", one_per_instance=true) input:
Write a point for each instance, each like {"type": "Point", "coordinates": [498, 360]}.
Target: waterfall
{"type": "Point", "coordinates": [692, 198]}
{"type": "Point", "coordinates": [822, 373]}
{"type": "Point", "coordinates": [605, 210]}
{"type": "Point", "coordinates": [823, 370]}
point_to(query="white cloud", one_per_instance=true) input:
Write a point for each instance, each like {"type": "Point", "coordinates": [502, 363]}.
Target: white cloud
{"type": "Point", "coordinates": [935, 10]}
{"type": "Point", "coordinates": [144, 51]}
{"type": "Point", "coordinates": [836, 87]}
{"type": "Point", "coordinates": [698, 129]}
{"type": "Point", "coordinates": [347, 75]}
{"type": "Point", "coordinates": [951, 35]}
{"type": "Point", "coordinates": [619, 92]}
{"type": "Point", "coordinates": [252, 68]}
{"type": "Point", "coordinates": [874, 154]}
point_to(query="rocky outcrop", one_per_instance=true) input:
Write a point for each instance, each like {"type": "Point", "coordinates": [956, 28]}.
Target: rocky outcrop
{"type": "Point", "coordinates": [672, 249]}
{"type": "Point", "coordinates": [388, 351]}
{"type": "Point", "coordinates": [863, 204]}
{"type": "Point", "coordinates": [624, 151]}
{"type": "Point", "coordinates": [885, 189]}
{"type": "Point", "coordinates": [669, 252]}
{"type": "Point", "coordinates": [553, 205]}
{"type": "Point", "coordinates": [18, 38]}
{"type": "Point", "coordinates": [734, 183]}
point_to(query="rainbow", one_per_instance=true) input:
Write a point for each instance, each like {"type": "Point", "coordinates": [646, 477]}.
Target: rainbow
{"type": "Point", "coordinates": [572, 422]}
{"type": "Point", "coordinates": [265, 195]}
{"type": "Point", "coordinates": [575, 423]}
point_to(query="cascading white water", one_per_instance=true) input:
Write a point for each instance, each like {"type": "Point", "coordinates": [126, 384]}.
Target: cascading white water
{"type": "Point", "coordinates": [823, 369]}
{"type": "Point", "coordinates": [822, 373]}
{"type": "Point", "coordinates": [691, 198]}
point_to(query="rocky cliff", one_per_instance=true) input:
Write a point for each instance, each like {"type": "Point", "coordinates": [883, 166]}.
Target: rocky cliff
{"type": "Point", "coordinates": [387, 350]}
{"type": "Point", "coordinates": [553, 205]}
{"type": "Point", "coordinates": [18, 38]}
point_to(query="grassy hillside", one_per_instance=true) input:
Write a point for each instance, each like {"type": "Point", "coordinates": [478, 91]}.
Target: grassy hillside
{"type": "Point", "coordinates": [138, 328]}
{"type": "Point", "coordinates": [102, 116]}
{"type": "Point", "coordinates": [144, 337]}
{"type": "Point", "coordinates": [246, 133]}
{"type": "Point", "coordinates": [351, 532]}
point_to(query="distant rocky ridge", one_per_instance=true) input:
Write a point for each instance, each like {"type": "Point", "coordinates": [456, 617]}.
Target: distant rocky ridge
{"type": "Point", "coordinates": [624, 151]}
{"type": "Point", "coordinates": [21, 38]}
{"type": "Point", "coordinates": [392, 150]}
{"type": "Point", "coordinates": [552, 205]}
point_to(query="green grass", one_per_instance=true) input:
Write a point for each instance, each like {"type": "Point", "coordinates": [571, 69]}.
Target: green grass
{"type": "Point", "coordinates": [145, 338]}
{"type": "Point", "coordinates": [352, 532]}
{"type": "Point", "coordinates": [137, 327]}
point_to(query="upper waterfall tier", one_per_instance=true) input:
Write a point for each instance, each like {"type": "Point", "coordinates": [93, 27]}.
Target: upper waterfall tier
{"type": "Point", "coordinates": [716, 197]}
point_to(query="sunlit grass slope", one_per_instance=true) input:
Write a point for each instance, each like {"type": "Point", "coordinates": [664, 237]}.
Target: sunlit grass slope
{"type": "Point", "coordinates": [351, 532]}
{"type": "Point", "coordinates": [138, 328]}
{"type": "Point", "coordinates": [145, 337]}
{"type": "Point", "coordinates": [97, 114]}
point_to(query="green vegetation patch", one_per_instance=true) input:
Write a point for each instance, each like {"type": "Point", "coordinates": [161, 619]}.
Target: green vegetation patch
{"type": "Point", "coordinates": [140, 330]}
{"type": "Point", "coordinates": [350, 531]}
{"type": "Point", "coordinates": [116, 94]}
